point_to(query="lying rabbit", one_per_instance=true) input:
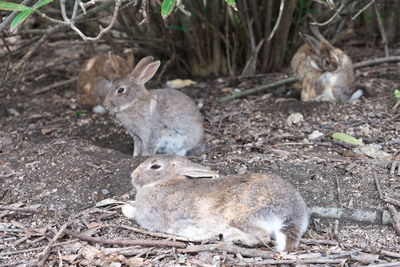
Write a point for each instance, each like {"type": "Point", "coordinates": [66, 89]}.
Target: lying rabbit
{"type": "Point", "coordinates": [90, 92]}
{"type": "Point", "coordinates": [177, 196]}
{"type": "Point", "coordinates": [326, 72]}
{"type": "Point", "coordinates": [161, 121]}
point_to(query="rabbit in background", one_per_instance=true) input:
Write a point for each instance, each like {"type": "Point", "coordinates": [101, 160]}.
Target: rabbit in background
{"type": "Point", "coordinates": [177, 196]}
{"type": "Point", "coordinates": [326, 72]}
{"type": "Point", "coordinates": [90, 92]}
{"type": "Point", "coordinates": [161, 121]}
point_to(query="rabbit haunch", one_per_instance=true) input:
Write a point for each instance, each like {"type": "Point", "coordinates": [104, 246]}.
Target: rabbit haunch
{"type": "Point", "coordinates": [326, 72]}
{"type": "Point", "coordinates": [161, 121]}
{"type": "Point", "coordinates": [177, 196]}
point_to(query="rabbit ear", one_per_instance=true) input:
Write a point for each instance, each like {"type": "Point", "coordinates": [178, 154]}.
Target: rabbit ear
{"type": "Point", "coordinates": [148, 72]}
{"type": "Point", "coordinates": [311, 41]}
{"type": "Point", "coordinates": [116, 62]}
{"type": "Point", "coordinates": [141, 64]}
{"type": "Point", "coordinates": [194, 170]}
{"type": "Point", "coordinates": [130, 60]}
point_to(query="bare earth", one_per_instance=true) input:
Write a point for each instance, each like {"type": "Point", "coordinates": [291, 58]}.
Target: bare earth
{"type": "Point", "coordinates": [62, 162]}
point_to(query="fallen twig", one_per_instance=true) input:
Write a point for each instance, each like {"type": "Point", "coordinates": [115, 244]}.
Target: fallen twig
{"type": "Point", "coordinates": [46, 252]}
{"type": "Point", "coordinates": [395, 214]}
{"type": "Point", "coordinates": [294, 79]}
{"type": "Point", "coordinates": [319, 242]}
{"type": "Point", "coordinates": [230, 248]}
{"type": "Point", "coordinates": [161, 235]}
{"type": "Point", "coordinates": [32, 210]}
{"type": "Point", "coordinates": [54, 85]}
{"type": "Point", "coordinates": [305, 261]}
{"type": "Point", "coordinates": [124, 242]}
{"type": "Point", "coordinates": [15, 252]}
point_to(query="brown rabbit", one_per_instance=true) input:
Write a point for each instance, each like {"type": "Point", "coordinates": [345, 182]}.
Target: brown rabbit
{"type": "Point", "coordinates": [326, 72]}
{"type": "Point", "coordinates": [89, 91]}
{"type": "Point", "coordinates": [177, 196]}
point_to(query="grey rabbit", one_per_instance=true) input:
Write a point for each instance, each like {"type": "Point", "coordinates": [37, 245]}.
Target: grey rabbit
{"type": "Point", "coordinates": [177, 196]}
{"type": "Point", "coordinates": [161, 121]}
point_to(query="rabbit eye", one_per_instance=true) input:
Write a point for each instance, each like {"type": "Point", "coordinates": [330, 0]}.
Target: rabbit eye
{"type": "Point", "coordinates": [121, 90]}
{"type": "Point", "coordinates": [155, 167]}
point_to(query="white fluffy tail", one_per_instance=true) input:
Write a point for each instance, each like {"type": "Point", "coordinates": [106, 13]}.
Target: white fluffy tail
{"type": "Point", "coordinates": [356, 95]}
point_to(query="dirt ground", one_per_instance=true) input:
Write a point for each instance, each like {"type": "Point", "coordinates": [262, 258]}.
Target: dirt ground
{"type": "Point", "coordinates": [64, 162]}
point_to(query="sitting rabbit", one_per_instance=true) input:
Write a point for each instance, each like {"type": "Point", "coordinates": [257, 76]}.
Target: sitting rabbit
{"type": "Point", "coordinates": [161, 121]}
{"type": "Point", "coordinates": [326, 72]}
{"type": "Point", "coordinates": [89, 91]}
{"type": "Point", "coordinates": [177, 196]}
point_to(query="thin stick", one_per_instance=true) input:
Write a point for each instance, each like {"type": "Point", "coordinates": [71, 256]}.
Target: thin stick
{"type": "Point", "coordinates": [259, 89]}
{"type": "Point", "coordinates": [294, 79]}
{"type": "Point", "coordinates": [32, 210]}
{"type": "Point", "coordinates": [54, 85]}
{"type": "Point", "coordinates": [124, 242]}
{"type": "Point", "coordinates": [161, 235]}
{"type": "Point", "coordinates": [395, 218]}
{"type": "Point", "coordinates": [319, 242]}
{"type": "Point", "coordinates": [46, 252]}
{"type": "Point", "coordinates": [281, 7]}
{"type": "Point", "coordinates": [15, 252]}
{"type": "Point", "coordinates": [297, 262]}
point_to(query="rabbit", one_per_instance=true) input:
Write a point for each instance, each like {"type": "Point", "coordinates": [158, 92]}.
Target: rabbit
{"type": "Point", "coordinates": [90, 93]}
{"type": "Point", "coordinates": [161, 121]}
{"type": "Point", "coordinates": [326, 72]}
{"type": "Point", "coordinates": [177, 196]}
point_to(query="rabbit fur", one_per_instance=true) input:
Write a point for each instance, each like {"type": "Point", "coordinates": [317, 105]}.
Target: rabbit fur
{"type": "Point", "coordinates": [326, 72]}
{"type": "Point", "coordinates": [161, 121]}
{"type": "Point", "coordinates": [90, 92]}
{"type": "Point", "coordinates": [177, 196]}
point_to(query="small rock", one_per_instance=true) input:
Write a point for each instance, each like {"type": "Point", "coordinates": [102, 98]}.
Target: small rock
{"type": "Point", "coordinates": [105, 192]}
{"type": "Point", "coordinates": [372, 151]}
{"type": "Point", "coordinates": [13, 112]}
{"type": "Point", "coordinates": [315, 135]}
{"type": "Point", "coordinates": [294, 118]}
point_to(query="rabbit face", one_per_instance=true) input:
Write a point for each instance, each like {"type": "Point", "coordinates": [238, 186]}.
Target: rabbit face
{"type": "Point", "coordinates": [164, 168]}
{"type": "Point", "coordinates": [121, 95]}
{"type": "Point", "coordinates": [152, 170]}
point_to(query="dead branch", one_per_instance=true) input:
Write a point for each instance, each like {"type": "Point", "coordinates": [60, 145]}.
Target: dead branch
{"type": "Point", "coordinates": [160, 235]}
{"type": "Point", "coordinates": [54, 85]}
{"type": "Point", "coordinates": [281, 7]}
{"type": "Point", "coordinates": [297, 262]}
{"type": "Point", "coordinates": [289, 80]}
{"type": "Point", "coordinates": [376, 61]}
{"type": "Point", "coordinates": [22, 251]}
{"type": "Point", "coordinates": [32, 210]}
{"type": "Point", "coordinates": [319, 242]}
{"type": "Point", "coordinates": [230, 248]}
{"type": "Point", "coordinates": [124, 242]}
{"type": "Point", "coordinates": [395, 218]}
{"type": "Point", "coordinates": [259, 89]}
{"type": "Point", "coordinates": [395, 214]}
{"type": "Point", "coordinates": [46, 252]}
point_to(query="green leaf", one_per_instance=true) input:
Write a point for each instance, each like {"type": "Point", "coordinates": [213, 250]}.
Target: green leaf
{"type": "Point", "coordinates": [43, 3]}
{"type": "Point", "coordinates": [13, 6]}
{"type": "Point", "coordinates": [81, 112]}
{"type": "Point", "coordinates": [166, 7]}
{"type": "Point", "coordinates": [347, 139]}
{"type": "Point", "coordinates": [232, 3]}
{"type": "Point", "coordinates": [20, 18]}
{"type": "Point", "coordinates": [397, 93]}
